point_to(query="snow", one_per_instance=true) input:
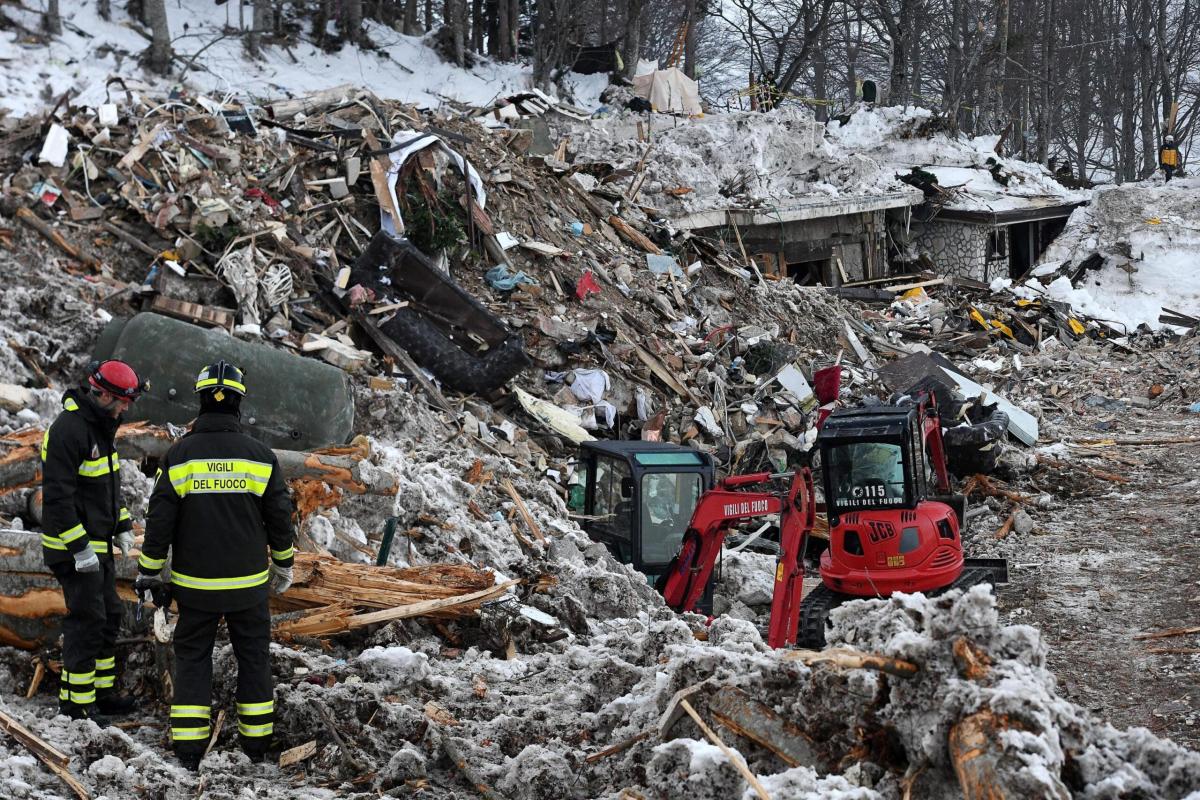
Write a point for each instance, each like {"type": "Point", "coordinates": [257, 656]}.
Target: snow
{"type": "Point", "coordinates": [1148, 234]}
{"type": "Point", "coordinates": [91, 50]}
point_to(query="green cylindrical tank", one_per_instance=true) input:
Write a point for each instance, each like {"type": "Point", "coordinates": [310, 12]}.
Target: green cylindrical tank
{"type": "Point", "coordinates": [291, 403]}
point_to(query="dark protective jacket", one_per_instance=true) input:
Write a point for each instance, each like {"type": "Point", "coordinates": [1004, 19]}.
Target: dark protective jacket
{"type": "Point", "coordinates": [81, 481]}
{"type": "Point", "coordinates": [219, 504]}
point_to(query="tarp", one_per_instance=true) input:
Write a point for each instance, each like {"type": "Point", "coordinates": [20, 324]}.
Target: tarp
{"type": "Point", "coordinates": [407, 143]}
{"type": "Point", "coordinates": [669, 91]}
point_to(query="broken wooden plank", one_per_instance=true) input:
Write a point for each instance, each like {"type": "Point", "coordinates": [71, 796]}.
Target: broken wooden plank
{"type": "Point", "coordinates": [54, 237]}
{"type": "Point", "coordinates": [745, 716]}
{"type": "Point", "coordinates": [633, 236]}
{"type": "Point", "coordinates": [195, 313]}
{"type": "Point", "coordinates": [379, 181]}
{"type": "Point", "coordinates": [54, 759]}
{"type": "Point", "coordinates": [1167, 634]}
{"type": "Point", "coordinates": [530, 522]}
{"type": "Point", "coordinates": [297, 754]}
{"type": "Point", "coordinates": [128, 238]}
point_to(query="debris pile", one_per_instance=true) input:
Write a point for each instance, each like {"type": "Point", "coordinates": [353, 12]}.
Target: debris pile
{"type": "Point", "coordinates": [494, 302]}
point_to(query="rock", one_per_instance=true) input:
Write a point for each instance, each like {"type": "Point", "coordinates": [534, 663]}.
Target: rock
{"type": "Point", "coordinates": [1022, 522]}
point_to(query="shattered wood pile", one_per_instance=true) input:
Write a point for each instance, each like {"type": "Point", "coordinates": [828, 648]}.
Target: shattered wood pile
{"type": "Point", "coordinates": [336, 591]}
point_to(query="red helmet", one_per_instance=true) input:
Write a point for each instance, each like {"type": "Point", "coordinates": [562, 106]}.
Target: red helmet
{"type": "Point", "coordinates": [116, 378]}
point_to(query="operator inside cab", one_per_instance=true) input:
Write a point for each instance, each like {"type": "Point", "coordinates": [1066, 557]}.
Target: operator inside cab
{"type": "Point", "coordinates": [867, 474]}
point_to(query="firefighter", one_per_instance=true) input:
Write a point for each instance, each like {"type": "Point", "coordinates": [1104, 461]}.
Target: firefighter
{"type": "Point", "coordinates": [83, 517]}
{"type": "Point", "coordinates": [221, 507]}
{"type": "Point", "coordinates": [1168, 156]}
{"type": "Point", "coordinates": [768, 92]}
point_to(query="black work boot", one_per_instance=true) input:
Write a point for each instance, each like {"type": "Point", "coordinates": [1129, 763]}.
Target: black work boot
{"type": "Point", "coordinates": [115, 705]}
{"type": "Point", "coordinates": [190, 758]}
{"type": "Point", "coordinates": [89, 711]}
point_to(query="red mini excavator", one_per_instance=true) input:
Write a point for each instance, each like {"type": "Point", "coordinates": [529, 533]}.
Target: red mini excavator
{"type": "Point", "coordinates": [893, 524]}
{"type": "Point", "coordinates": [733, 500]}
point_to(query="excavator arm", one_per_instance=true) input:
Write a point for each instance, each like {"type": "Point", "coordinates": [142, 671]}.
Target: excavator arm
{"type": "Point", "coordinates": [731, 501]}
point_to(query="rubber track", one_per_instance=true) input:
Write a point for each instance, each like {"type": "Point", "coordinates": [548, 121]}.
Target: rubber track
{"type": "Point", "coordinates": [814, 611]}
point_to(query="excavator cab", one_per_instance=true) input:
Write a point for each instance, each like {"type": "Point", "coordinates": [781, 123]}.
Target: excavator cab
{"type": "Point", "coordinates": [637, 498]}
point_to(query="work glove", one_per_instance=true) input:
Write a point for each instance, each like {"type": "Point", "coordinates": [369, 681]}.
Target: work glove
{"type": "Point", "coordinates": [281, 579]}
{"type": "Point", "coordinates": [152, 588]}
{"type": "Point", "coordinates": [124, 540]}
{"type": "Point", "coordinates": [86, 561]}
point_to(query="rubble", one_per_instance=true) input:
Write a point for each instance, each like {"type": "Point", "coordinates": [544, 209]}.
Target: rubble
{"type": "Point", "coordinates": [538, 665]}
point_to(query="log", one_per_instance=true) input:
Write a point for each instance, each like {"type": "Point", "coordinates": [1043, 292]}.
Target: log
{"type": "Point", "coordinates": [735, 759]}
{"type": "Point", "coordinates": [332, 620]}
{"type": "Point", "coordinates": [633, 236]}
{"type": "Point", "coordinates": [845, 658]}
{"type": "Point", "coordinates": [745, 716]}
{"type": "Point", "coordinates": [528, 519]}
{"type": "Point", "coordinates": [21, 466]}
{"type": "Point", "coordinates": [976, 751]}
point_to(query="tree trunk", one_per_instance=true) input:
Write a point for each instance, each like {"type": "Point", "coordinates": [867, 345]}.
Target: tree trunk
{"type": "Point", "coordinates": [159, 58]}
{"type": "Point", "coordinates": [821, 79]}
{"type": "Point", "coordinates": [453, 19]}
{"type": "Point", "coordinates": [262, 22]}
{"type": "Point", "coordinates": [52, 20]}
{"type": "Point", "coordinates": [351, 21]}
{"type": "Point", "coordinates": [514, 26]}
{"type": "Point", "coordinates": [498, 43]}
{"type": "Point", "coordinates": [1049, 53]}
{"type": "Point", "coordinates": [428, 15]}
{"type": "Point", "coordinates": [631, 42]}
{"type": "Point", "coordinates": [477, 25]}
{"type": "Point", "coordinates": [692, 20]}
{"type": "Point", "coordinates": [1000, 64]}
{"type": "Point", "coordinates": [104, 9]}
{"type": "Point", "coordinates": [411, 25]}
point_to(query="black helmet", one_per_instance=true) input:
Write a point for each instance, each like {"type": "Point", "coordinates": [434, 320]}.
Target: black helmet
{"type": "Point", "coordinates": [219, 377]}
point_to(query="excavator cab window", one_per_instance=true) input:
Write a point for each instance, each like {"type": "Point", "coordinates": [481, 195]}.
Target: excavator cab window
{"type": "Point", "coordinates": [866, 475]}
{"type": "Point", "coordinates": [668, 500]}
{"type": "Point", "coordinates": [613, 506]}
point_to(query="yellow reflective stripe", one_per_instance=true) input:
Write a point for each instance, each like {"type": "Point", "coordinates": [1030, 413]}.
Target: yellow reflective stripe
{"type": "Point", "coordinates": [70, 405]}
{"type": "Point", "coordinates": [63, 694]}
{"type": "Point", "coordinates": [244, 582]}
{"type": "Point", "coordinates": [207, 382]}
{"type": "Point", "coordinates": [106, 681]}
{"type": "Point", "coordinates": [256, 730]}
{"type": "Point", "coordinates": [124, 515]}
{"type": "Point", "coordinates": [95, 467]}
{"type": "Point", "coordinates": [151, 563]}
{"type": "Point", "coordinates": [189, 734]}
{"type": "Point", "coordinates": [280, 555]}
{"type": "Point", "coordinates": [81, 678]}
{"type": "Point", "coordinates": [219, 475]}
{"type": "Point", "coordinates": [190, 711]}
{"type": "Point", "coordinates": [253, 709]}
{"type": "Point", "coordinates": [83, 698]}
{"type": "Point", "coordinates": [71, 534]}
{"type": "Point", "coordinates": [45, 444]}
{"type": "Point", "coordinates": [53, 542]}
{"type": "Point", "coordinates": [99, 547]}
{"type": "Point", "coordinates": [106, 663]}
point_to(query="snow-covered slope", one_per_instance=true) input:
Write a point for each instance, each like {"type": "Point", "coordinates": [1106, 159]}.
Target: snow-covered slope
{"type": "Point", "coordinates": [91, 49]}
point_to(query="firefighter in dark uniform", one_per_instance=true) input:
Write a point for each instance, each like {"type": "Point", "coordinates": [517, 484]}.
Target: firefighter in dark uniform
{"type": "Point", "coordinates": [83, 517]}
{"type": "Point", "coordinates": [221, 506]}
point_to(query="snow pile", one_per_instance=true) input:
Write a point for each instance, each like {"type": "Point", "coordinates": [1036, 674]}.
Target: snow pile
{"type": "Point", "coordinates": [91, 50]}
{"type": "Point", "coordinates": [752, 159]}
{"type": "Point", "coordinates": [1147, 235]}
{"type": "Point", "coordinates": [898, 139]}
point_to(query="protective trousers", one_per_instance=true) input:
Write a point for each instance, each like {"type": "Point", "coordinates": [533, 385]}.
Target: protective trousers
{"type": "Point", "coordinates": [250, 635]}
{"type": "Point", "coordinates": [89, 635]}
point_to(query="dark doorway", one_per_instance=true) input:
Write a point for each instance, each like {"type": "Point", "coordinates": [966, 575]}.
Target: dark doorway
{"type": "Point", "coordinates": [1022, 249]}
{"type": "Point", "coordinates": [809, 273]}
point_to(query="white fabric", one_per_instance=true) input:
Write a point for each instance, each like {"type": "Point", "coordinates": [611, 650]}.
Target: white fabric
{"type": "Point", "coordinates": [669, 91]}
{"type": "Point", "coordinates": [589, 386]}
{"type": "Point", "coordinates": [410, 142]}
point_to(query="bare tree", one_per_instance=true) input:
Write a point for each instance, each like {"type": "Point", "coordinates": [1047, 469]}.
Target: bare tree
{"type": "Point", "coordinates": [52, 20]}
{"type": "Point", "coordinates": [351, 21]}
{"type": "Point", "coordinates": [158, 58]}
{"type": "Point", "coordinates": [632, 39]}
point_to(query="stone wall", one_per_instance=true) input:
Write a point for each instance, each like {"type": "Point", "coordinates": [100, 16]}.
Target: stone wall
{"type": "Point", "coordinates": [961, 248]}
